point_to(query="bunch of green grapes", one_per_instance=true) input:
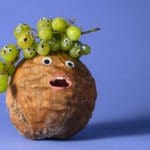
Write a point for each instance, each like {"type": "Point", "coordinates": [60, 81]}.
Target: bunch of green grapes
{"type": "Point", "coordinates": [52, 35]}
{"type": "Point", "coordinates": [59, 34]}
{"type": "Point", "coordinates": [9, 54]}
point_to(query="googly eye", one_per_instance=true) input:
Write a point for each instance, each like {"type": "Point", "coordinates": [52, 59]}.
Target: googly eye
{"type": "Point", "coordinates": [29, 32]}
{"type": "Point", "coordinates": [77, 45]}
{"type": "Point", "coordinates": [5, 47]}
{"type": "Point", "coordinates": [18, 29]}
{"type": "Point", "coordinates": [83, 47]}
{"type": "Point", "coordinates": [65, 40]}
{"type": "Point", "coordinates": [9, 49]}
{"type": "Point", "coordinates": [28, 49]}
{"type": "Point", "coordinates": [70, 42]}
{"type": "Point", "coordinates": [69, 64]}
{"type": "Point", "coordinates": [46, 61]}
{"type": "Point", "coordinates": [47, 20]}
{"type": "Point", "coordinates": [79, 51]}
{"type": "Point", "coordinates": [32, 37]}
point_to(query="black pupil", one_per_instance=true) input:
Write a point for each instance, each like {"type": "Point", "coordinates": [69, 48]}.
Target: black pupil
{"type": "Point", "coordinates": [46, 61]}
{"type": "Point", "coordinates": [70, 64]}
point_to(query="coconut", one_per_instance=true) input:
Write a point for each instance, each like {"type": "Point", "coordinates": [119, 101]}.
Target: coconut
{"type": "Point", "coordinates": [51, 96]}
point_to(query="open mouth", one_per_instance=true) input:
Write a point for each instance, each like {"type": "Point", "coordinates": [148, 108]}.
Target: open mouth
{"type": "Point", "coordinates": [60, 82]}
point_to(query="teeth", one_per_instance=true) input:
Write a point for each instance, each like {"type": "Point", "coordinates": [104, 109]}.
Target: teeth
{"type": "Point", "coordinates": [60, 78]}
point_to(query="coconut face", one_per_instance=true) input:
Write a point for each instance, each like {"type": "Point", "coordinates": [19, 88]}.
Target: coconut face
{"type": "Point", "coordinates": [51, 97]}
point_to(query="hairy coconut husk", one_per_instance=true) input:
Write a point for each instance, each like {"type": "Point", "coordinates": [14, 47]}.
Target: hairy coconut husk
{"type": "Point", "coordinates": [39, 111]}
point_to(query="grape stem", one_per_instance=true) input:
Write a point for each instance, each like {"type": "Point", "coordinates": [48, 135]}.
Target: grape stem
{"type": "Point", "coordinates": [72, 21]}
{"type": "Point", "coordinates": [91, 30]}
{"type": "Point", "coordinates": [34, 30]}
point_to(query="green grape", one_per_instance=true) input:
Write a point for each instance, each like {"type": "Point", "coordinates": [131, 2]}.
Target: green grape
{"type": "Point", "coordinates": [66, 44]}
{"type": "Point", "coordinates": [9, 53]}
{"type": "Point", "coordinates": [43, 48]}
{"type": "Point", "coordinates": [1, 67]}
{"type": "Point", "coordinates": [10, 68]}
{"type": "Point", "coordinates": [77, 44]}
{"type": "Point", "coordinates": [59, 24]}
{"type": "Point", "coordinates": [29, 52]}
{"type": "Point", "coordinates": [54, 44]}
{"type": "Point", "coordinates": [45, 33]}
{"type": "Point", "coordinates": [25, 40]}
{"type": "Point", "coordinates": [21, 28]}
{"type": "Point", "coordinates": [44, 22]}
{"type": "Point", "coordinates": [86, 49]}
{"type": "Point", "coordinates": [3, 82]}
{"type": "Point", "coordinates": [73, 33]}
{"type": "Point", "coordinates": [76, 51]}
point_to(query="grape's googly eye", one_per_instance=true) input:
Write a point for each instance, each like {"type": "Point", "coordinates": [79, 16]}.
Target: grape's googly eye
{"type": "Point", "coordinates": [29, 32]}
{"type": "Point", "coordinates": [79, 51]}
{"type": "Point", "coordinates": [5, 47]}
{"type": "Point", "coordinates": [42, 46]}
{"type": "Point", "coordinates": [84, 47]}
{"type": "Point", "coordinates": [9, 49]}
{"type": "Point", "coordinates": [77, 45]}
{"type": "Point", "coordinates": [69, 64]}
{"type": "Point", "coordinates": [46, 61]}
{"type": "Point", "coordinates": [18, 29]}
{"type": "Point", "coordinates": [47, 20]}
{"type": "Point", "coordinates": [65, 40]}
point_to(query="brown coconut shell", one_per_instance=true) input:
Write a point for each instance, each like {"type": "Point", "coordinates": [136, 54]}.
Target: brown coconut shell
{"type": "Point", "coordinates": [39, 111]}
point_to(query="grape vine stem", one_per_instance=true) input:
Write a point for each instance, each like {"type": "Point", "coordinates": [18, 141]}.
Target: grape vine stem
{"type": "Point", "coordinates": [91, 30]}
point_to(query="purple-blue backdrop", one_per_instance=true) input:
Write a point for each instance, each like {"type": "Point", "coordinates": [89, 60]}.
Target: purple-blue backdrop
{"type": "Point", "coordinates": [119, 61]}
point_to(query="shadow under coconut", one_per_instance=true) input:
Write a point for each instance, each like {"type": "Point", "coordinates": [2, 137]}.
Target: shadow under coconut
{"type": "Point", "coordinates": [116, 128]}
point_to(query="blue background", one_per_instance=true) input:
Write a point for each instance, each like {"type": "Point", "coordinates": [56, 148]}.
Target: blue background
{"type": "Point", "coordinates": [120, 62]}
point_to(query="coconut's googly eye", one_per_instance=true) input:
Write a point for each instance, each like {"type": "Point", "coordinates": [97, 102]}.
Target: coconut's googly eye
{"type": "Point", "coordinates": [69, 64]}
{"type": "Point", "coordinates": [46, 61]}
